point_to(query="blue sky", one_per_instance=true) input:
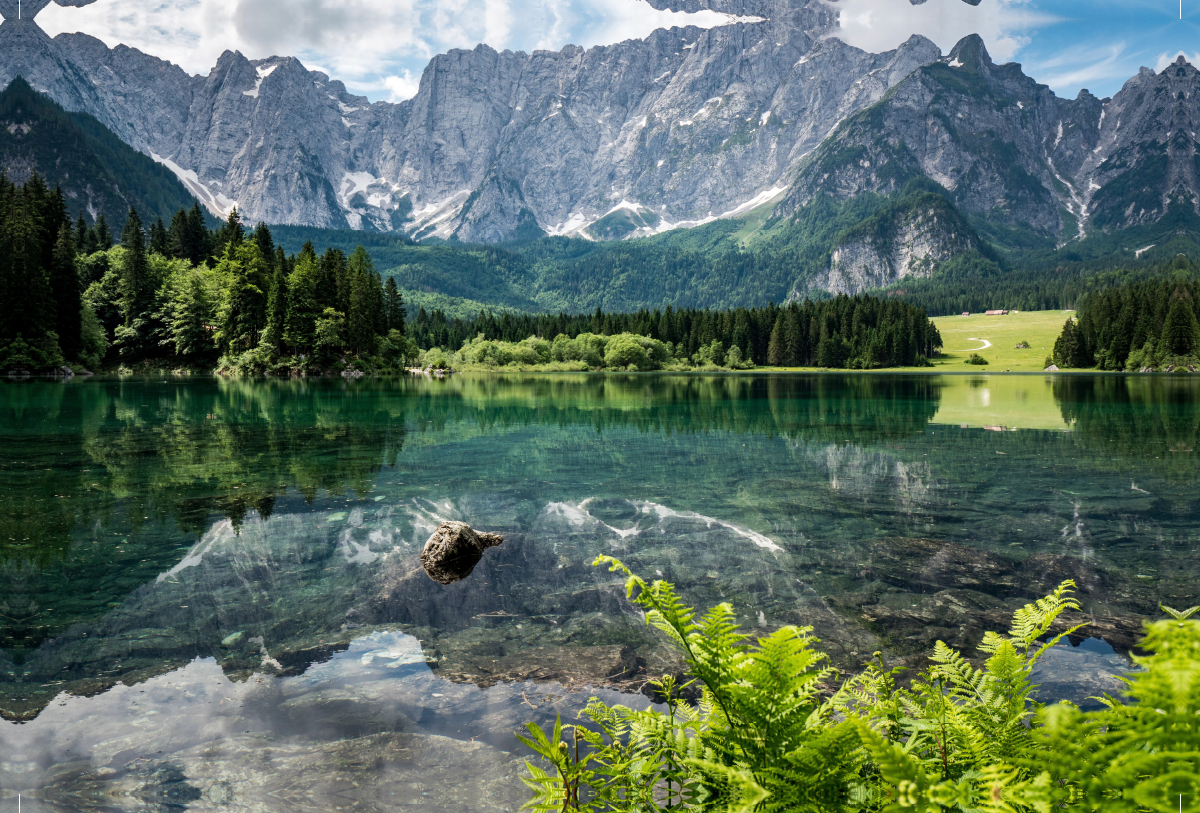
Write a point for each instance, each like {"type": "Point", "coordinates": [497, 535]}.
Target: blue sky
{"type": "Point", "coordinates": [380, 47]}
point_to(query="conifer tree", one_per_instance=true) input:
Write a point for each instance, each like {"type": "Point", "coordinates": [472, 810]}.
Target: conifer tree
{"type": "Point", "coordinates": [135, 270]}
{"type": "Point", "coordinates": [68, 303]}
{"type": "Point", "coordinates": [360, 322]}
{"type": "Point", "coordinates": [303, 306]}
{"type": "Point", "coordinates": [776, 350]}
{"type": "Point", "coordinates": [192, 315]}
{"type": "Point", "coordinates": [85, 239]}
{"type": "Point", "coordinates": [104, 239]}
{"type": "Point", "coordinates": [159, 243]}
{"type": "Point", "coordinates": [1181, 331]}
{"type": "Point", "coordinates": [276, 308]}
{"type": "Point", "coordinates": [394, 306]}
{"type": "Point", "coordinates": [242, 313]}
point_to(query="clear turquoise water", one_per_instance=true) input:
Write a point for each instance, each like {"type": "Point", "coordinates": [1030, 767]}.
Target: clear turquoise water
{"type": "Point", "coordinates": [207, 589]}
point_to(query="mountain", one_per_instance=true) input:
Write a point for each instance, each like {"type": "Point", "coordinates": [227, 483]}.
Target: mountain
{"type": "Point", "coordinates": [1023, 167]}
{"type": "Point", "coordinates": [638, 137]}
{"type": "Point", "coordinates": [97, 171]}
{"type": "Point", "coordinates": [834, 170]}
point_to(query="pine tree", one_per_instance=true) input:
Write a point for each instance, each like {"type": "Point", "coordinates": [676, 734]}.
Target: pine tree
{"type": "Point", "coordinates": [243, 309]}
{"type": "Point", "coordinates": [360, 322]}
{"type": "Point", "coordinates": [777, 349]}
{"type": "Point", "coordinates": [303, 305]}
{"type": "Point", "coordinates": [1181, 331]}
{"type": "Point", "coordinates": [191, 318]}
{"type": "Point", "coordinates": [276, 309]}
{"type": "Point", "coordinates": [135, 270]}
{"type": "Point", "coordinates": [85, 238]}
{"type": "Point", "coordinates": [65, 289]}
{"type": "Point", "coordinates": [394, 306]}
{"type": "Point", "coordinates": [104, 239]}
{"type": "Point", "coordinates": [159, 243]}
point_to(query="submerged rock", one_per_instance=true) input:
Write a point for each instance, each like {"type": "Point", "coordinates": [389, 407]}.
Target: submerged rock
{"type": "Point", "coordinates": [570, 666]}
{"type": "Point", "coordinates": [453, 551]}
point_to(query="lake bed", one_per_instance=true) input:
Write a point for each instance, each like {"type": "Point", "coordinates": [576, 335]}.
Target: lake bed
{"type": "Point", "coordinates": [210, 596]}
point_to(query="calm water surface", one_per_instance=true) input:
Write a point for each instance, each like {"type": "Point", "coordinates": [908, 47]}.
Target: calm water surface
{"type": "Point", "coordinates": [210, 599]}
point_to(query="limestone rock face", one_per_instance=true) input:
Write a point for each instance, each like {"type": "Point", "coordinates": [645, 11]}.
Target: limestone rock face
{"type": "Point", "coordinates": [684, 125]}
{"type": "Point", "coordinates": [453, 551]}
{"type": "Point", "coordinates": [916, 244]}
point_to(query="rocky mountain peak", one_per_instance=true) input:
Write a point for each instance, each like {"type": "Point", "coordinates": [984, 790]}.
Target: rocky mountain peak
{"type": "Point", "coordinates": [971, 55]}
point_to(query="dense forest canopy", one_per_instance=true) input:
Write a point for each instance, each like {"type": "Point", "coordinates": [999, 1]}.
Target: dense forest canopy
{"type": "Point", "coordinates": [1145, 325]}
{"type": "Point", "coordinates": [231, 299]}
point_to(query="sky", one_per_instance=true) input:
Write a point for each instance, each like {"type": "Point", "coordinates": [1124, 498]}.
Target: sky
{"type": "Point", "coordinates": [380, 47]}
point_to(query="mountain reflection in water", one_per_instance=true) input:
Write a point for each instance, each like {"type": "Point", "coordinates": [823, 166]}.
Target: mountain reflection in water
{"type": "Point", "coordinates": [196, 572]}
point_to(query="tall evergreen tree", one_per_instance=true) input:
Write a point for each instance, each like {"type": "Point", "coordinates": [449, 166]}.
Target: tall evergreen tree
{"type": "Point", "coordinates": [1181, 331]}
{"type": "Point", "coordinates": [777, 349]}
{"type": "Point", "coordinates": [68, 301]}
{"type": "Point", "coordinates": [192, 315]}
{"type": "Point", "coordinates": [103, 235]}
{"type": "Point", "coordinates": [360, 316]}
{"type": "Point", "coordinates": [303, 303]}
{"type": "Point", "coordinates": [243, 309]}
{"type": "Point", "coordinates": [159, 243]}
{"type": "Point", "coordinates": [394, 306]}
{"type": "Point", "coordinates": [276, 308]}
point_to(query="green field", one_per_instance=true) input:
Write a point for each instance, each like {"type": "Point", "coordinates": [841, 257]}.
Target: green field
{"type": "Point", "coordinates": [962, 335]}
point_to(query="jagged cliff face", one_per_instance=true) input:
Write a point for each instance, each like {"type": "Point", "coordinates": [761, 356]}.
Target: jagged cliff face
{"type": "Point", "coordinates": [683, 126]}
{"type": "Point", "coordinates": [1145, 156]}
{"type": "Point", "coordinates": [1013, 153]}
{"type": "Point", "coordinates": [636, 138]}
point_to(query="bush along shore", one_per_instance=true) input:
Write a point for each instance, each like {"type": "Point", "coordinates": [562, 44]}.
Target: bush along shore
{"type": "Point", "coordinates": [186, 297]}
{"type": "Point", "coordinates": [774, 730]}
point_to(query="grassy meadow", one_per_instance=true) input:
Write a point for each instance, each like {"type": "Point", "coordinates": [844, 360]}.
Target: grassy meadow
{"type": "Point", "coordinates": [963, 335]}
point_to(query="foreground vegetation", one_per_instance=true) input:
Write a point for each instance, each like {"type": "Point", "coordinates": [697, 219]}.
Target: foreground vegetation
{"type": "Point", "coordinates": [773, 732]}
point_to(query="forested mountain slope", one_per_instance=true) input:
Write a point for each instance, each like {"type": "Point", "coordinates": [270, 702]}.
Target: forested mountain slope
{"type": "Point", "coordinates": [99, 174]}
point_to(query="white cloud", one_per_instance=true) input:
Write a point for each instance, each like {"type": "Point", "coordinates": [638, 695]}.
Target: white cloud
{"type": "Point", "coordinates": [1078, 67]}
{"type": "Point", "coordinates": [1166, 59]}
{"type": "Point", "coordinates": [881, 25]}
{"type": "Point", "coordinates": [402, 87]}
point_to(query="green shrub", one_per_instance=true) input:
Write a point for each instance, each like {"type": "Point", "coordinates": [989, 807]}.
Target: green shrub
{"type": "Point", "coordinates": [976, 359]}
{"type": "Point", "coordinates": [772, 733]}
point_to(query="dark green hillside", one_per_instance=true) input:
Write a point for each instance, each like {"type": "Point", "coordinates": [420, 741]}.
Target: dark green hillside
{"type": "Point", "coordinates": [98, 173]}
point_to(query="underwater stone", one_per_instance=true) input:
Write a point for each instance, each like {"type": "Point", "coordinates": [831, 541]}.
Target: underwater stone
{"type": "Point", "coordinates": [453, 551]}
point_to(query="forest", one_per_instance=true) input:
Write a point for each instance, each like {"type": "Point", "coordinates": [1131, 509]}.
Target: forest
{"type": "Point", "coordinates": [1149, 325]}
{"type": "Point", "coordinates": [182, 295]}
{"type": "Point", "coordinates": [858, 332]}
{"type": "Point", "coordinates": [230, 299]}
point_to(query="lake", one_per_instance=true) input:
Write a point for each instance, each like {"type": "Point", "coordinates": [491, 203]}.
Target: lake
{"type": "Point", "coordinates": [211, 599]}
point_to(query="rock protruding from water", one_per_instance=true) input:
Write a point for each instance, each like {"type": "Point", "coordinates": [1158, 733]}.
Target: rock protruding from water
{"type": "Point", "coordinates": [453, 551]}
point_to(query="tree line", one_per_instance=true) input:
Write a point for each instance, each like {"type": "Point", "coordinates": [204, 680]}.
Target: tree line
{"type": "Point", "coordinates": [183, 294]}
{"type": "Point", "coordinates": [859, 332]}
{"type": "Point", "coordinates": [1146, 325]}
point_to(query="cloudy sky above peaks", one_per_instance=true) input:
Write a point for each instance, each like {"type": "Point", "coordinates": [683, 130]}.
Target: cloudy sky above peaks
{"type": "Point", "coordinates": [379, 47]}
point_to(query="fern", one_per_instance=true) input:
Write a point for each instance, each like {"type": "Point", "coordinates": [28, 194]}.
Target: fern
{"type": "Point", "coordinates": [768, 737]}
